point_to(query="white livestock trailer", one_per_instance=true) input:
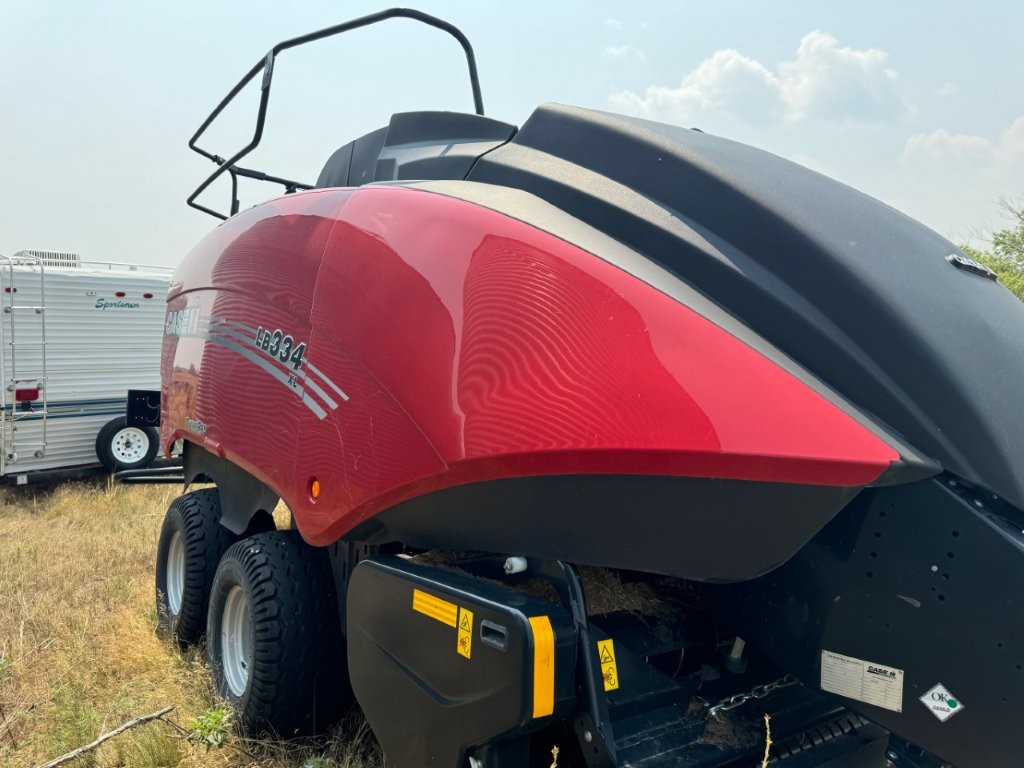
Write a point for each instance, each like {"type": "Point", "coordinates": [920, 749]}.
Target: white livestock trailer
{"type": "Point", "coordinates": [75, 337]}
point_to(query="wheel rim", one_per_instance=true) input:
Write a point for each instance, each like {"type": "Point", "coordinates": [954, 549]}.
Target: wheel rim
{"type": "Point", "coordinates": [236, 640]}
{"type": "Point", "coordinates": [175, 573]}
{"type": "Point", "coordinates": [129, 445]}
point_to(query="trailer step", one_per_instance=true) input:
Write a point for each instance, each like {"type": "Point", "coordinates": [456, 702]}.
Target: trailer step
{"type": "Point", "coordinates": [171, 473]}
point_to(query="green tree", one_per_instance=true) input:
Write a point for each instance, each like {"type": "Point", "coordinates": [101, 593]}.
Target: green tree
{"type": "Point", "coordinates": [1006, 257]}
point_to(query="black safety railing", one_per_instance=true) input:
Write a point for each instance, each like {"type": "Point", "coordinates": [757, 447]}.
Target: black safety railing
{"type": "Point", "coordinates": [266, 65]}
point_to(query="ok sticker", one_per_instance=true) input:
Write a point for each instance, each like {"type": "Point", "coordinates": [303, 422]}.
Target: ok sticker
{"type": "Point", "coordinates": [941, 702]}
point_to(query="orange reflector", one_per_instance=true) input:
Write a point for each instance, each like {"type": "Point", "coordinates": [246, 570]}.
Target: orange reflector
{"type": "Point", "coordinates": [314, 489]}
{"type": "Point", "coordinates": [543, 666]}
{"type": "Point", "coordinates": [435, 607]}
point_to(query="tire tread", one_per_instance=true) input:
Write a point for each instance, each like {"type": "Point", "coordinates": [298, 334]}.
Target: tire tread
{"type": "Point", "coordinates": [298, 684]}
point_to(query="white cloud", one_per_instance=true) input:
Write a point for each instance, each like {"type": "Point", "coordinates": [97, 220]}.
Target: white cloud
{"type": "Point", "coordinates": [824, 81]}
{"type": "Point", "coordinates": [948, 88]}
{"type": "Point", "coordinates": [1010, 148]}
{"type": "Point", "coordinates": [726, 79]}
{"type": "Point", "coordinates": [613, 24]}
{"type": "Point", "coordinates": [840, 84]}
{"type": "Point", "coordinates": [939, 147]}
{"type": "Point", "coordinates": [623, 52]}
{"type": "Point", "coordinates": [964, 173]}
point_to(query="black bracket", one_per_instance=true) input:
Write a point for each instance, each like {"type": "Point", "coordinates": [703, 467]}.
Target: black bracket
{"type": "Point", "coordinates": [592, 725]}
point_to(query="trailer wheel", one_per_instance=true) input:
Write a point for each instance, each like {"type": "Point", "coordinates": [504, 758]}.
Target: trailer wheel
{"type": "Point", "coordinates": [119, 446]}
{"type": "Point", "coordinates": [192, 541]}
{"type": "Point", "coordinates": [274, 639]}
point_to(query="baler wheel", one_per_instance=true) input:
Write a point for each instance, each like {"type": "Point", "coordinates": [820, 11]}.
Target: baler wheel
{"type": "Point", "coordinates": [192, 541]}
{"type": "Point", "coordinates": [274, 640]}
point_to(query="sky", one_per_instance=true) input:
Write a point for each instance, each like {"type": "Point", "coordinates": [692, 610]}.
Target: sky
{"type": "Point", "coordinates": [918, 103]}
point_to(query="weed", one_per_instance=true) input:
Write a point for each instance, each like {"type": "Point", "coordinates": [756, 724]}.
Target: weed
{"type": "Point", "coordinates": [79, 652]}
{"type": "Point", "coordinates": [149, 747]}
{"type": "Point", "coordinates": [76, 721]}
{"type": "Point", "coordinates": [211, 728]}
{"type": "Point", "coordinates": [118, 589]}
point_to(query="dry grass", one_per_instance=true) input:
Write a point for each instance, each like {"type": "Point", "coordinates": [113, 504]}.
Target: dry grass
{"type": "Point", "coordinates": [79, 654]}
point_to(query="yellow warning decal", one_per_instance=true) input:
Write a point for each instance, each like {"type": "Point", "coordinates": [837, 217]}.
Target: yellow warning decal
{"type": "Point", "coordinates": [434, 607]}
{"type": "Point", "coordinates": [543, 666]}
{"type": "Point", "coordinates": [609, 669]}
{"type": "Point", "coordinates": [465, 642]}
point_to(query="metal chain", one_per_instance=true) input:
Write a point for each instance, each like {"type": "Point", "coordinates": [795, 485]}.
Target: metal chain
{"type": "Point", "coordinates": [757, 692]}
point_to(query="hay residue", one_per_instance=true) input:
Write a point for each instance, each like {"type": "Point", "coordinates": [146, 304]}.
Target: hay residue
{"type": "Point", "coordinates": [720, 730]}
{"type": "Point", "coordinates": [604, 590]}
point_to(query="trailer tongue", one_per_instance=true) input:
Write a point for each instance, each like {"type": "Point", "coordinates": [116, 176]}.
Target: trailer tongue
{"type": "Point", "coordinates": [601, 436]}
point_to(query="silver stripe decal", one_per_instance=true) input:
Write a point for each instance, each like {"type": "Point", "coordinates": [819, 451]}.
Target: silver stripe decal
{"type": "Point", "coordinates": [298, 373]}
{"type": "Point", "coordinates": [316, 388]}
{"type": "Point", "coordinates": [266, 365]}
{"type": "Point", "coordinates": [312, 368]}
{"type": "Point", "coordinates": [233, 323]}
{"type": "Point", "coordinates": [314, 406]}
{"type": "Point", "coordinates": [329, 383]}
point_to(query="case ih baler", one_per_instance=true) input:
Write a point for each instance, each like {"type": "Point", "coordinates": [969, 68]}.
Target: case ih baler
{"type": "Point", "coordinates": [601, 434]}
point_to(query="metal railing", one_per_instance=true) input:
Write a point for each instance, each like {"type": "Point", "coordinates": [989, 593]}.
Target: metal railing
{"type": "Point", "coordinates": [266, 65]}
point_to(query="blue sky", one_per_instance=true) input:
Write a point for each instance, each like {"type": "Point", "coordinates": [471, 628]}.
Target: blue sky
{"type": "Point", "coordinates": [916, 103]}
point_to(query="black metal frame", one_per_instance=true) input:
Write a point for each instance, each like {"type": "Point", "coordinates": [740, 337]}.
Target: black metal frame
{"type": "Point", "coordinates": [267, 66]}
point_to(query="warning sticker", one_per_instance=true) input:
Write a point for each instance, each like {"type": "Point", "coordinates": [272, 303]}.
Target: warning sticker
{"type": "Point", "coordinates": [609, 669]}
{"type": "Point", "coordinates": [862, 680]}
{"type": "Point", "coordinates": [465, 641]}
{"type": "Point", "coordinates": [941, 702]}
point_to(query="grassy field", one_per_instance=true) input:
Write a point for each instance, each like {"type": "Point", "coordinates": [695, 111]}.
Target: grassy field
{"type": "Point", "coordinates": [79, 654]}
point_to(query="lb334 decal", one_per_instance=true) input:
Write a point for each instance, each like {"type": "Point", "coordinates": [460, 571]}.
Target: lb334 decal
{"type": "Point", "coordinates": [275, 352]}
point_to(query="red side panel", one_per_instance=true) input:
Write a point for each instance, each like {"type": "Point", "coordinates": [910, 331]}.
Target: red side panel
{"type": "Point", "coordinates": [447, 343]}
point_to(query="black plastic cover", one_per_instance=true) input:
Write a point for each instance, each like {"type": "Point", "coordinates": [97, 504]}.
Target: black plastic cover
{"type": "Point", "coordinates": [694, 528]}
{"type": "Point", "coordinates": [416, 145]}
{"type": "Point", "coordinates": [143, 408]}
{"type": "Point", "coordinates": [353, 164]}
{"type": "Point", "coordinates": [434, 680]}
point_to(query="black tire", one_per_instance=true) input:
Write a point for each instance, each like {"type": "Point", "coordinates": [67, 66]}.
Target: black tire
{"type": "Point", "coordinates": [119, 446]}
{"type": "Point", "coordinates": [192, 528]}
{"type": "Point", "coordinates": [293, 678]}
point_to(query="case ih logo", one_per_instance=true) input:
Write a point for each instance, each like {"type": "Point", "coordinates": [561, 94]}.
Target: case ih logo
{"type": "Point", "coordinates": [182, 322]}
{"type": "Point", "coordinates": [881, 671]}
{"type": "Point", "coordinates": [970, 265]}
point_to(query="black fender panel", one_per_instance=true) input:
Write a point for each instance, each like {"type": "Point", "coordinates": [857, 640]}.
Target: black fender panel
{"type": "Point", "coordinates": [242, 496]}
